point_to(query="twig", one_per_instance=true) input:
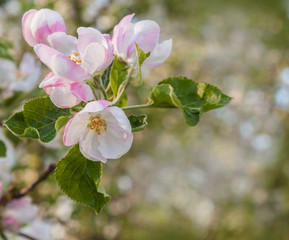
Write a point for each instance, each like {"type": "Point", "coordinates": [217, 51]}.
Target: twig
{"type": "Point", "coordinates": [27, 189]}
{"type": "Point", "coordinates": [14, 193]}
{"type": "Point", "coordinates": [26, 236]}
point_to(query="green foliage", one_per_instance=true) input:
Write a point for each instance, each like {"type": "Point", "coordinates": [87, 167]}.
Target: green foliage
{"type": "Point", "coordinates": [2, 149]}
{"type": "Point", "coordinates": [79, 178]}
{"type": "Point", "coordinates": [135, 77]}
{"type": "Point", "coordinates": [105, 76]}
{"type": "Point", "coordinates": [118, 74]}
{"type": "Point", "coordinates": [138, 122]}
{"type": "Point", "coordinates": [4, 47]}
{"type": "Point", "coordinates": [192, 98]}
{"type": "Point", "coordinates": [40, 118]}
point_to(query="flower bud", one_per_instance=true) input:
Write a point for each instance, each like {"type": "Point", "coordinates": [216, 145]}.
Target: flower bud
{"type": "Point", "coordinates": [38, 25]}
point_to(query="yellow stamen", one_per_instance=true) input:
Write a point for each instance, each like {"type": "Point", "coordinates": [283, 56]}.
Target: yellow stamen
{"type": "Point", "coordinates": [75, 57]}
{"type": "Point", "coordinates": [97, 124]}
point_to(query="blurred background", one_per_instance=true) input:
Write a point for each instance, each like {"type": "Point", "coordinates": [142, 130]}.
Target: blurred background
{"type": "Point", "coordinates": [226, 178]}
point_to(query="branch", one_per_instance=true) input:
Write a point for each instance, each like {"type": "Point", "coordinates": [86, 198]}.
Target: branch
{"type": "Point", "coordinates": [28, 189]}
{"type": "Point", "coordinates": [14, 193]}
{"type": "Point", "coordinates": [26, 236]}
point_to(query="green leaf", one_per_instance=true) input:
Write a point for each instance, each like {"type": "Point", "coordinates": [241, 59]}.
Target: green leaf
{"type": "Point", "coordinates": [17, 125]}
{"type": "Point", "coordinates": [39, 119]}
{"type": "Point", "coordinates": [135, 76]}
{"type": "Point", "coordinates": [105, 76]}
{"type": "Point", "coordinates": [2, 149]}
{"type": "Point", "coordinates": [138, 122]}
{"type": "Point", "coordinates": [123, 101]}
{"type": "Point", "coordinates": [61, 122]}
{"type": "Point", "coordinates": [4, 47]}
{"type": "Point", "coordinates": [118, 74]}
{"type": "Point", "coordinates": [192, 98]}
{"type": "Point", "coordinates": [79, 178]}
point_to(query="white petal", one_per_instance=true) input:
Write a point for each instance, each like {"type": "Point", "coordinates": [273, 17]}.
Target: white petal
{"type": "Point", "coordinates": [62, 97]}
{"type": "Point", "coordinates": [89, 147]}
{"type": "Point", "coordinates": [159, 54]}
{"type": "Point", "coordinates": [63, 43]}
{"type": "Point", "coordinates": [94, 58]}
{"type": "Point", "coordinates": [115, 142]}
{"type": "Point", "coordinates": [75, 128]}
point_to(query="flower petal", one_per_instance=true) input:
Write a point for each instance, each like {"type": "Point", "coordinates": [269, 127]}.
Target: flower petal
{"type": "Point", "coordinates": [88, 35]}
{"type": "Point", "coordinates": [63, 97]}
{"type": "Point", "coordinates": [146, 35]}
{"type": "Point", "coordinates": [94, 58]}
{"type": "Point", "coordinates": [115, 142]}
{"type": "Point", "coordinates": [75, 128]}
{"type": "Point", "coordinates": [159, 55]}
{"type": "Point", "coordinates": [89, 147]}
{"type": "Point", "coordinates": [81, 91]}
{"type": "Point", "coordinates": [62, 42]}
{"type": "Point", "coordinates": [26, 27]}
{"type": "Point", "coordinates": [46, 22]}
{"type": "Point", "coordinates": [119, 32]}
{"type": "Point", "coordinates": [60, 64]}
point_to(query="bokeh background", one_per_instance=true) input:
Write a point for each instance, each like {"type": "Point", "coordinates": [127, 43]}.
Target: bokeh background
{"type": "Point", "coordinates": [226, 178]}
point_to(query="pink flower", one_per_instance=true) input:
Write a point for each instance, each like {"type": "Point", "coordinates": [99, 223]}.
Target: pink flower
{"type": "Point", "coordinates": [76, 59]}
{"type": "Point", "coordinates": [65, 93]}
{"type": "Point", "coordinates": [146, 34]}
{"type": "Point", "coordinates": [38, 25]}
{"type": "Point", "coordinates": [23, 78]}
{"type": "Point", "coordinates": [72, 61]}
{"type": "Point", "coordinates": [17, 212]}
{"type": "Point", "coordinates": [102, 132]}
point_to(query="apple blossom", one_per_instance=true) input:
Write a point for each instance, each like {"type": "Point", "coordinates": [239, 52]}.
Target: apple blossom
{"type": "Point", "coordinates": [102, 131]}
{"type": "Point", "coordinates": [72, 61]}
{"type": "Point", "coordinates": [145, 34]}
{"type": "Point", "coordinates": [65, 93]}
{"type": "Point", "coordinates": [77, 59]}
{"type": "Point", "coordinates": [38, 25]}
{"type": "Point", "coordinates": [23, 78]}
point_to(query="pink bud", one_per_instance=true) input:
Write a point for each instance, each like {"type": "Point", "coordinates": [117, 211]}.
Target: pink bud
{"type": "Point", "coordinates": [38, 25]}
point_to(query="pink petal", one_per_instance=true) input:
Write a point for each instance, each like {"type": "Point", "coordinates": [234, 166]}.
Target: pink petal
{"type": "Point", "coordinates": [94, 107]}
{"type": "Point", "coordinates": [62, 97]}
{"type": "Point", "coordinates": [81, 91]}
{"type": "Point", "coordinates": [26, 27]}
{"type": "Point", "coordinates": [119, 32]}
{"type": "Point", "coordinates": [146, 35]}
{"type": "Point", "coordinates": [94, 58]}
{"type": "Point", "coordinates": [89, 35]}
{"type": "Point", "coordinates": [62, 42]}
{"type": "Point", "coordinates": [89, 147]}
{"type": "Point", "coordinates": [46, 22]}
{"type": "Point", "coordinates": [160, 54]}
{"type": "Point", "coordinates": [60, 64]}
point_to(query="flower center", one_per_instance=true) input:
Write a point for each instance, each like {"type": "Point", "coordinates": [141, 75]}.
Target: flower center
{"type": "Point", "coordinates": [97, 124]}
{"type": "Point", "coordinates": [75, 57]}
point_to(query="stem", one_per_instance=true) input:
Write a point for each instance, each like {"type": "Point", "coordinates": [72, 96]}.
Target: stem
{"type": "Point", "coordinates": [108, 87]}
{"type": "Point", "coordinates": [26, 236]}
{"type": "Point", "coordinates": [136, 107]}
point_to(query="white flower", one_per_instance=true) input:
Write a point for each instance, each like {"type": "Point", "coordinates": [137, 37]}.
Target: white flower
{"type": "Point", "coordinates": [102, 132]}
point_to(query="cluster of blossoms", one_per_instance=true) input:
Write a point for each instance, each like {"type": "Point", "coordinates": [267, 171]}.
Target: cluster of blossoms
{"type": "Point", "coordinates": [75, 62]}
